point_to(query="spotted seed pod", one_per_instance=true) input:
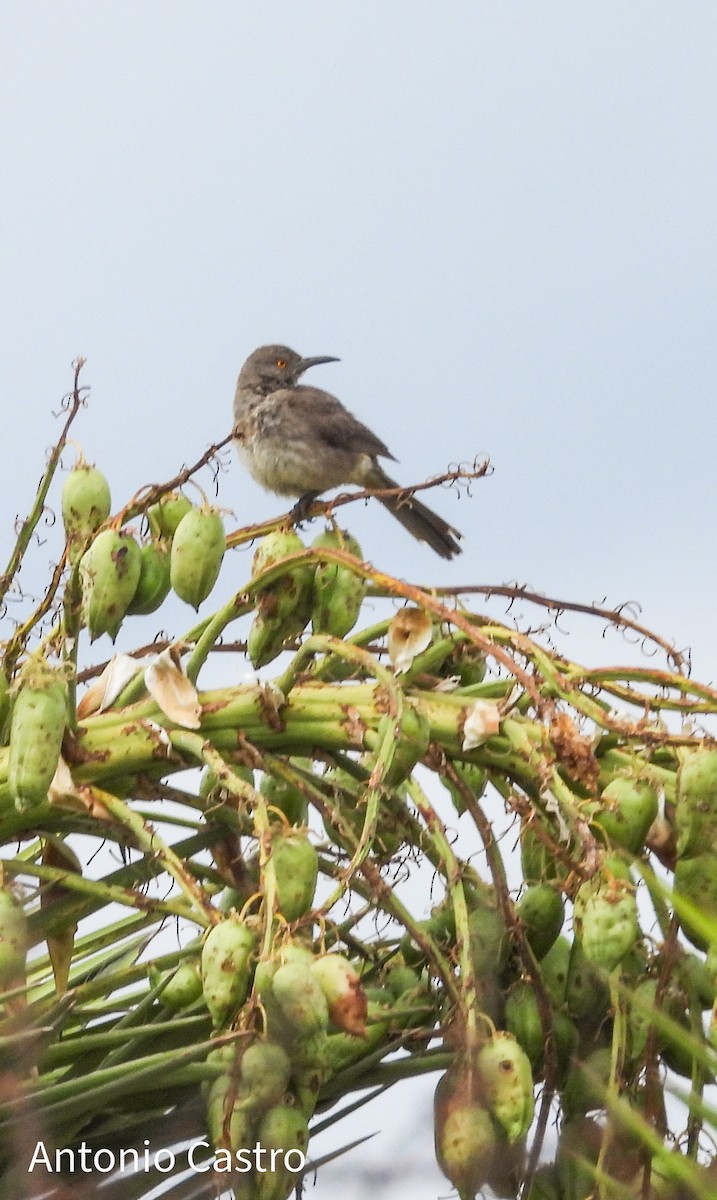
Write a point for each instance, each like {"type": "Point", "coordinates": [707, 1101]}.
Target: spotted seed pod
{"type": "Point", "coordinates": [109, 569]}
{"type": "Point", "coordinates": [86, 504]}
{"type": "Point", "coordinates": [265, 1072]}
{"type": "Point", "coordinates": [466, 1140]}
{"type": "Point", "coordinates": [291, 591]}
{"type": "Point", "coordinates": [605, 916]}
{"type": "Point", "coordinates": [226, 967]}
{"type": "Point", "coordinates": [507, 1085]}
{"type": "Point", "coordinates": [283, 1129]}
{"type": "Point", "coordinates": [198, 548]}
{"type": "Point", "coordinates": [628, 808]}
{"type": "Point", "coordinates": [696, 803]}
{"type": "Point", "coordinates": [154, 581]}
{"type": "Point", "coordinates": [344, 993]}
{"type": "Point", "coordinates": [696, 882]}
{"type": "Point", "coordinates": [14, 941]}
{"type": "Point", "coordinates": [39, 718]}
{"type": "Point", "coordinates": [230, 1121]}
{"type": "Point", "coordinates": [302, 1002]}
{"type": "Point", "coordinates": [283, 607]}
{"type": "Point", "coordinates": [338, 591]}
{"type": "Point", "coordinates": [296, 866]}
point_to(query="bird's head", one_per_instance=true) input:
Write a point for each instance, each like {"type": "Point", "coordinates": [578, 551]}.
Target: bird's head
{"type": "Point", "coordinates": [273, 367]}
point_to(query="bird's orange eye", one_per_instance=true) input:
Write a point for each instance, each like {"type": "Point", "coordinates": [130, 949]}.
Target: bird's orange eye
{"type": "Point", "coordinates": [281, 363]}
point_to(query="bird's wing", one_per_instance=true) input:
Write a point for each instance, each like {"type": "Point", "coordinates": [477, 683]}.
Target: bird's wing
{"type": "Point", "coordinates": [335, 425]}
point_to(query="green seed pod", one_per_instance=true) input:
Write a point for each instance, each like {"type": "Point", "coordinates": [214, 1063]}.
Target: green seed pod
{"type": "Point", "coordinates": [507, 1085]}
{"type": "Point", "coordinates": [538, 861]}
{"type": "Point", "coordinates": [37, 726]}
{"type": "Point", "coordinates": [696, 881]}
{"type": "Point", "coordinates": [696, 803]}
{"type": "Point", "coordinates": [629, 807]}
{"type": "Point", "coordinates": [473, 777]}
{"type": "Point", "coordinates": [554, 968]}
{"type": "Point", "coordinates": [4, 705]}
{"type": "Point", "coordinates": [542, 912]}
{"type": "Point", "coordinates": [522, 1020]}
{"type": "Point", "coordinates": [165, 515]}
{"type": "Point", "coordinates": [490, 942]}
{"type": "Point", "coordinates": [184, 987]}
{"type": "Point", "coordinates": [338, 591]}
{"type": "Point", "coordinates": [344, 993]}
{"type": "Point", "coordinates": [109, 569]}
{"type": "Point", "coordinates": [587, 1083]}
{"type": "Point", "coordinates": [698, 980]}
{"type": "Point", "coordinates": [466, 1141]}
{"type": "Point", "coordinates": [230, 1121]}
{"type": "Point", "coordinates": [274, 548]}
{"type": "Point", "coordinates": [605, 920]}
{"type": "Point", "coordinates": [468, 663]}
{"type": "Point", "coordinates": [226, 959]}
{"type": "Point", "coordinates": [296, 866]}
{"type": "Point", "coordinates": [566, 1037]}
{"type": "Point", "coordinates": [265, 1072]}
{"type": "Point", "coordinates": [578, 1150]}
{"type": "Point", "coordinates": [410, 740]}
{"type": "Point", "coordinates": [545, 1184]}
{"type": "Point", "coordinates": [283, 607]}
{"type": "Point", "coordinates": [198, 548]}
{"type": "Point", "coordinates": [303, 1005]}
{"type": "Point", "coordinates": [154, 582]}
{"type": "Point", "coordinates": [441, 927]}
{"type": "Point", "coordinates": [284, 796]}
{"type": "Point", "coordinates": [587, 993]}
{"type": "Point", "coordinates": [283, 1129]}
{"type": "Point", "coordinates": [639, 1017]}
{"type": "Point", "coordinates": [402, 980]}
{"type": "Point", "coordinates": [86, 504]}
{"type": "Point", "coordinates": [14, 941]}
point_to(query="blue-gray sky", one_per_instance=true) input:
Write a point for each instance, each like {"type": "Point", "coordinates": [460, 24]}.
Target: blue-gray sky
{"type": "Point", "coordinates": [501, 216]}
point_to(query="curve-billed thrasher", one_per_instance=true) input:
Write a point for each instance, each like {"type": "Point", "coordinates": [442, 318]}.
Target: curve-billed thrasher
{"type": "Point", "coordinates": [300, 441]}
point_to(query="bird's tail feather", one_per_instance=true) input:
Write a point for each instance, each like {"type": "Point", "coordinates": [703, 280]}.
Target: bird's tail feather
{"type": "Point", "coordinates": [421, 522]}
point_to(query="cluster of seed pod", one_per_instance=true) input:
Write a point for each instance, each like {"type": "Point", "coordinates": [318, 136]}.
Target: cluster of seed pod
{"type": "Point", "coordinates": [483, 1109]}
{"type": "Point", "coordinates": [118, 576]}
{"type": "Point", "coordinates": [270, 1080]}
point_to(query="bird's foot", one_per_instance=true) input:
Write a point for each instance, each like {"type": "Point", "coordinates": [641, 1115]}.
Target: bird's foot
{"type": "Point", "coordinates": [300, 511]}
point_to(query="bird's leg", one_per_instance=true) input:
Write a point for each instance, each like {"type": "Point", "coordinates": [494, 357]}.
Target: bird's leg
{"type": "Point", "coordinates": [300, 511]}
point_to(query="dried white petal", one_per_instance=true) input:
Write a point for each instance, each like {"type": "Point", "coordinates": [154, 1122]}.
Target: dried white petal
{"type": "Point", "coordinates": [63, 785]}
{"type": "Point", "coordinates": [482, 722]}
{"type": "Point", "coordinates": [104, 691]}
{"type": "Point", "coordinates": [449, 684]}
{"type": "Point", "coordinates": [157, 731]}
{"type": "Point", "coordinates": [552, 806]}
{"type": "Point", "coordinates": [169, 687]}
{"type": "Point", "coordinates": [409, 634]}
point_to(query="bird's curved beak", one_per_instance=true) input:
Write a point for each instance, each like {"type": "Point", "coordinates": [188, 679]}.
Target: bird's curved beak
{"type": "Point", "coordinates": [314, 362]}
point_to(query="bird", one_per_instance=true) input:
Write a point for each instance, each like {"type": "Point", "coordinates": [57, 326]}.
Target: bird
{"type": "Point", "coordinates": [300, 441]}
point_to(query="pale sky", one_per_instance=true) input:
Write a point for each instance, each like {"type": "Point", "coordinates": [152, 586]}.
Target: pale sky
{"type": "Point", "coordinates": [500, 216]}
